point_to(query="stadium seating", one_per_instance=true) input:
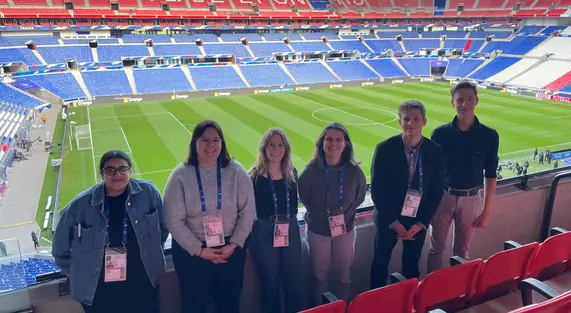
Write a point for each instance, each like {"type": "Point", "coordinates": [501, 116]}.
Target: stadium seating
{"type": "Point", "coordinates": [238, 50]}
{"type": "Point", "coordinates": [18, 275]}
{"type": "Point", "coordinates": [387, 68]}
{"type": "Point", "coordinates": [530, 30]}
{"type": "Point", "coordinates": [513, 71]}
{"type": "Point", "coordinates": [416, 66]}
{"type": "Point", "coordinates": [161, 80]}
{"type": "Point", "coordinates": [310, 72]}
{"type": "Point", "coordinates": [178, 49]}
{"type": "Point", "coordinates": [495, 66]}
{"type": "Point", "coordinates": [266, 49]}
{"type": "Point", "coordinates": [349, 45]}
{"type": "Point", "coordinates": [206, 37]}
{"type": "Point", "coordinates": [59, 54]}
{"type": "Point", "coordinates": [115, 52]}
{"type": "Point", "coordinates": [280, 36]}
{"type": "Point", "coordinates": [560, 82]}
{"type": "Point", "coordinates": [86, 41]}
{"type": "Point", "coordinates": [18, 54]}
{"type": "Point", "coordinates": [352, 70]}
{"type": "Point", "coordinates": [448, 34]}
{"type": "Point", "coordinates": [237, 37]}
{"type": "Point", "coordinates": [393, 298]}
{"type": "Point", "coordinates": [12, 95]}
{"type": "Point", "coordinates": [461, 67]}
{"type": "Point", "coordinates": [141, 38]}
{"type": "Point", "coordinates": [550, 29]}
{"type": "Point", "coordinates": [521, 45]}
{"type": "Point", "coordinates": [382, 45]}
{"type": "Point", "coordinates": [63, 85]}
{"type": "Point", "coordinates": [393, 34]}
{"type": "Point", "coordinates": [483, 34]}
{"type": "Point", "coordinates": [543, 74]}
{"type": "Point", "coordinates": [558, 46]}
{"type": "Point", "coordinates": [215, 77]}
{"type": "Point", "coordinates": [318, 35]}
{"type": "Point", "coordinates": [416, 45]}
{"type": "Point", "coordinates": [300, 46]}
{"type": "Point", "coordinates": [107, 83]}
{"type": "Point", "coordinates": [10, 41]}
{"type": "Point", "coordinates": [461, 43]}
{"type": "Point", "coordinates": [265, 75]}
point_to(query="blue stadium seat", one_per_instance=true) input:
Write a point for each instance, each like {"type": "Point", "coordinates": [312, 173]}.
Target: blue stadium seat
{"type": "Point", "coordinates": [19, 54]}
{"type": "Point", "coordinates": [280, 36]}
{"type": "Point", "coordinates": [349, 45]}
{"type": "Point", "coordinates": [449, 34]}
{"type": "Point", "coordinates": [11, 95]}
{"type": "Point", "coordinates": [305, 46]}
{"type": "Point", "coordinates": [19, 41]}
{"type": "Point", "coordinates": [266, 49]}
{"type": "Point", "coordinates": [19, 275]}
{"type": "Point", "coordinates": [318, 35]}
{"type": "Point", "coordinates": [107, 83]}
{"type": "Point", "coordinates": [60, 53]}
{"type": "Point", "coordinates": [461, 43]}
{"type": "Point", "coordinates": [416, 66]}
{"type": "Point", "coordinates": [495, 66]}
{"type": "Point", "coordinates": [382, 45]}
{"type": "Point", "coordinates": [115, 52]}
{"type": "Point", "coordinates": [386, 67]}
{"type": "Point", "coordinates": [265, 75]}
{"type": "Point", "coordinates": [416, 45]}
{"type": "Point", "coordinates": [216, 77]}
{"type": "Point", "coordinates": [310, 72]}
{"type": "Point", "coordinates": [393, 34]}
{"type": "Point", "coordinates": [206, 37]}
{"type": "Point", "coordinates": [238, 36]}
{"type": "Point", "coordinates": [352, 70]}
{"type": "Point", "coordinates": [63, 85]}
{"type": "Point", "coordinates": [237, 49]}
{"type": "Point", "coordinates": [86, 41]}
{"type": "Point", "coordinates": [161, 80]}
{"type": "Point", "coordinates": [550, 29]}
{"type": "Point", "coordinates": [461, 67]}
{"type": "Point", "coordinates": [484, 33]}
{"type": "Point", "coordinates": [131, 38]}
{"type": "Point", "coordinates": [178, 49]}
{"type": "Point", "coordinates": [530, 29]}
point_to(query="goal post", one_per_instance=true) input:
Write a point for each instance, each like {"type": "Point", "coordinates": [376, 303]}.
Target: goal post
{"type": "Point", "coordinates": [82, 134]}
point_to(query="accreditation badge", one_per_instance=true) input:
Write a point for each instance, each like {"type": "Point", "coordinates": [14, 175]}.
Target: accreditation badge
{"type": "Point", "coordinates": [411, 203]}
{"type": "Point", "coordinates": [213, 230]}
{"type": "Point", "coordinates": [115, 265]}
{"type": "Point", "coordinates": [337, 224]}
{"type": "Point", "coordinates": [281, 233]}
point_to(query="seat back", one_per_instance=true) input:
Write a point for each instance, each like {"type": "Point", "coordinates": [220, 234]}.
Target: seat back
{"type": "Point", "coordinates": [333, 307]}
{"type": "Point", "coordinates": [448, 289]}
{"type": "Point", "coordinates": [552, 257]}
{"type": "Point", "coordinates": [396, 298]}
{"type": "Point", "coordinates": [502, 272]}
{"type": "Point", "coordinates": [560, 304]}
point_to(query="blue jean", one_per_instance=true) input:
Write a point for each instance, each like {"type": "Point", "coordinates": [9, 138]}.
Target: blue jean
{"type": "Point", "coordinates": [278, 267]}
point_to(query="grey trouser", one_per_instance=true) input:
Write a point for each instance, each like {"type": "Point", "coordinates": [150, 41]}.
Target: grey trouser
{"type": "Point", "coordinates": [334, 253]}
{"type": "Point", "coordinates": [463, 211]}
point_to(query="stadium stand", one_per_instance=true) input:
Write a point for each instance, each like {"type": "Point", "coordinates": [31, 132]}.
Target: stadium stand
{"type": "Point", "coordinates": [416, 45]}
{"type": "Point", "coordinates": [461, 67]}
{"type": "Point", "coordinates": [382, 45]}
{"type": "Point", "coordinates": [107, 83]}
{"type": "Point", "coordinates": [309, 46]}
{"type": "Point", "coordinates": [530, 30]}
{"type": "Point", "coordinates": [206, 37]}
{"type": "Point", "coordinates": [416, 66]}
{"type": "Point", "coordinates": [115, 52]}
{"type": "Point", "coordinates": [12, 95]}
{"type": "Point", "coordinates": [349, 45]}
{"type": "Point", "coordinates": [238, 50]}
{"type": "Point", "coordinates": [63, 85]}
{"type": "Point", "coordinates": [266, 49]}
{"type": "Point", "coordinates": [318, 35]}
{"type": "Point", "coordinates": [237, 37]}
{"type": "Point", "coordinates": [265, 75]}
{"type": "Point", "coordinates": [559, 83]}
{"type": "Point", "coordinates": [216, 77]}
{"type": "Point", "coordinates": [18, 54]}
{"type": "Point", "coordinates": [161, 80]}
{"type": "Point", "coordinates": [448, 34]}
{"type": "Point", "coordinates": [352, 70]}
{"type": "Point", "coordinates": [141, 38]}
{"type": "Point", "coordinates": [543, 74]}
{"type": "Point", "coordinates": [386, 68]}
{"type": "Point", "coordinates": [550, 29]}
{"type": "Point", "coordinates": [310, 72]}
{"type": "Point", "coordinates": [513, 71]}
{"type": "Point", "coordinates": [393, 34]}
{"type": "Point", "coordinates": [86, 41]}
{"type": "Point", "coordinates": [59, 54]}
{"type": "Point", "coordinates": [281, 36]}
{"type": "Point", "coordinates": [9, 41]}
{"type": "Point", "coordinates": [484, 34]}
{"type": "Point", "coordinates": [461, 43]}
{"type": "Point", "coordinates": [176, 49]}
{"type": "Point", "coordinates": [18, 275]}
{"type": "Point", "coordinates": [495, 66]}
{"type": "Point", "coordinates": [558, 46]}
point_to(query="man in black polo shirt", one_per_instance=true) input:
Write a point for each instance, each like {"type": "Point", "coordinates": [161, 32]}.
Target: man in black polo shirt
{"type": "Point", "coordinates": [470, 154]}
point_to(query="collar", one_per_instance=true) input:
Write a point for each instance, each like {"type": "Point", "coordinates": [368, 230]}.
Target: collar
{"type": "Point", "coordinates": [98, 194]}
{"type": "Point", "coordinates": [407, 148]}
{"type": "Point", "coordinates": [475, 126]}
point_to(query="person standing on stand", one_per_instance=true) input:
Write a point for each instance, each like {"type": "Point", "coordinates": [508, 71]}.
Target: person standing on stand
{"type": "Point", "coordinates": [275, 243]}
{"type": "Point", "coordinates": [331, 187]}
{"type": "Point", "coordinates": [471, 159]}
{"type": "Point", "coordinates": [35, 241]}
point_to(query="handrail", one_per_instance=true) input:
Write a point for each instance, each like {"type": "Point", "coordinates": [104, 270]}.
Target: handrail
{"type": "Point", "coordinates": [550, 202]}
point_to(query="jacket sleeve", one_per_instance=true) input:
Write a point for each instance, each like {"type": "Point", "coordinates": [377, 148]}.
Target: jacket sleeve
{"type": "Point", "coordinates": [246, 208]}
{"type": "Point", "coordinates": [63, 237]}
{"type": "Point", "coordinates": [175, 215]}
{"type": "Point", "coordinates": [159, 205]}
{"type": "Point", "coordinates": [304, 187]}
{"type": "Point", "coordinates": [379, 186]}
{"type": "Point", "coordinates": [361, 188]}
{"type": "Point", "coordinates": [434, 194]}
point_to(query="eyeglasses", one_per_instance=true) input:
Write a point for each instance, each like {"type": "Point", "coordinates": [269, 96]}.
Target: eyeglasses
{"type": "Point", "coordinates": [111, 171]}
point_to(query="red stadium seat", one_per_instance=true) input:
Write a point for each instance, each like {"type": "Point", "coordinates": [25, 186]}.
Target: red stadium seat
{"type": "Point", "coordinates": [556, 303]}
{"type": "Point", "coordinates": [333, 307]}
{"type": "Point", "coordinates": [502, 272]}
{"type": "Point", "coordinates": [552, 257]}
{"type": "Point", "coordinates": [395, 298]}
{"type": "Point", "coordinates": [448, 289]}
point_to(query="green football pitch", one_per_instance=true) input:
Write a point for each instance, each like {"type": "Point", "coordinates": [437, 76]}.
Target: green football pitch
{"type": "Point", "coordinates": [157, 134]}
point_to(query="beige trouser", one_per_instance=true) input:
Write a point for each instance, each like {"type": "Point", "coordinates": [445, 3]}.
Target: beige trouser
{"type": "Point", "coordinates": [463, 211]}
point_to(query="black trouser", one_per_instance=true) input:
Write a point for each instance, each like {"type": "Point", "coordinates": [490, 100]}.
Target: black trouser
{"type": "Point", "coordinates": [385, 241]}
{"type": "Point", "coordinates": [275, 264]}
{"type": "Point", "coordinates": [130, 297]}
{"type": "Point", "coordinates": [201, 281]}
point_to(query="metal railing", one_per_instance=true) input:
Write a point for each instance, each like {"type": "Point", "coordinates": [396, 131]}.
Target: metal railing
{"type": "Point", "coordinates": [550, 202]}
{"type": "Point", "coordinates": [59, 177]}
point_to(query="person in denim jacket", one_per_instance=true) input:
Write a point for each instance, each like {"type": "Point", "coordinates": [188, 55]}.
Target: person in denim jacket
{"type": "Point", "coordinates": [121, 219]}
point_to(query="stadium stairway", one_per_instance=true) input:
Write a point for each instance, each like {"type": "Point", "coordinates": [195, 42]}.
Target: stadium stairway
{"type": "Point", "coordinates": [202, 51]}
{"type": "Point", "coordinates": [39, 56]}
{"type": "Point", "coordinates": [151, 51]}
{"type": "Point", "coordinates": [513, 71]}
{"type": "Point", "coordinates": [131, 78]}
{"type": "Point", "coordinates": [540, 62]}
{"type": "Point", "coordinates": [559, 82]}
{"type": "Point", "coordinates": [482, 47]}
{"type": "Point", "coordinates": [402, 46]}
{"type": "Point", "coordinates": [370, 67]}
{"type": "Point", "coordinates": [400, 65]}
{"type": "Point", "coordinates": [237, 68]}
{"type": "Point", "coordinates": [250, 51]}
{"type": "Point", "coordinates": [479, 67]}
{"type": "Point", "coordinates": [367, 45]}
{"type": "Point", "coordinates": [330, 69]}
{"type": "Point", "coordinates": [188, 76]}
{"type": "Point", "coordinates": [95, 54]}
{"type": "Point", "coordinates": [81, 82]}
{"type": "Point", "coordinates": [284, 68]}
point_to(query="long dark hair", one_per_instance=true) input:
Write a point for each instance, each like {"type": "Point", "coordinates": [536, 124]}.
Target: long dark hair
{"type": "Point", "coordinates": [347, 156]}
{"type": "Point", "coordinates": [198, 131]}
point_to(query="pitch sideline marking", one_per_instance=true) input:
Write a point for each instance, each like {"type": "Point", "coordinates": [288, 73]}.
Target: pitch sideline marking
{"type": "Point", "coordinates": [359, 124]}
{"type": "Point", "coordinates": [181, 124]}
{"type": "Point", "coordinates": [129, 115]}
{"type": "Point", "coordinates": [126, 141]}
{"type": "Point", "coordinates": [92, 148]}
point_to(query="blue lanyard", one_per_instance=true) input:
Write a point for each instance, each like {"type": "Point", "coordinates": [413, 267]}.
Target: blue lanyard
{"type": "Point", "coordinates": [201, 190]}
{"type": "Point", "coordinates": [108, 219]}
{"type": "Point", "coordinates": [326, 172]}
{"type": "Point", "coordinates": [275, 196]}
{"type": "Point", "coordinates": [420, 178]}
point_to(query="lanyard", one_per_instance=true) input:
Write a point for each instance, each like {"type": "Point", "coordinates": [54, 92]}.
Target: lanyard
{"type": "Point", "coordinates": [341, 172]}
{"type": "Point", "coordinates": [108, 219]}
{"type": "Point", "coordinates": [275, 196]}
{"type": "Point", "coordinates": [420, 178]}
{"type": "Point", "coordinates": [201, 190]}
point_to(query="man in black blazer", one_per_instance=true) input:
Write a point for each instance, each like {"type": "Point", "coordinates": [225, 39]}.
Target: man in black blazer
{"type": "Point", "coordinates": [406, 186]}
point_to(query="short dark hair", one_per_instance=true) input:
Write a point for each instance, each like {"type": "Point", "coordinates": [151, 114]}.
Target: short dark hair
{"type": "Point", "coordinates": [411, 104]}
{"type": "Point", "coordinates": [199, 129]}
{"type": "Point", "coordinates": [464, 84]}
{"type": "Point", "coordinates": [347, 156]}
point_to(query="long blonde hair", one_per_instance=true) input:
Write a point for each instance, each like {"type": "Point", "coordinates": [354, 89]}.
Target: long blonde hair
{"type": "Point", "coordinates": [261, 167]}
